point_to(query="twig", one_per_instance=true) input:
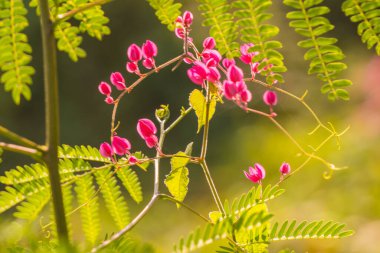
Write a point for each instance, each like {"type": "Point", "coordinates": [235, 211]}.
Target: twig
{"type": "Point", "coordinates": [20, 139]}
{"type": "Point", "coordinates": [21, 150]}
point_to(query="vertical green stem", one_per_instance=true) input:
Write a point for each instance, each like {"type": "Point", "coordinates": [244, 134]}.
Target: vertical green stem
{"type": "Point", "coordinates": [204, 152]}
{"type": "Point", "coordinates": [52, 118]}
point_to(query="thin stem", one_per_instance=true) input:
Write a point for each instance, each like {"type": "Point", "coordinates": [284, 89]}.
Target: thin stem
{"type": "Point", "coordinates": [71, 13]}
{"type": "Point", "coordinates": [21, 150]}
{"type": "Point", "coordinates": [133, 85]}
{"type": "Point", "coordinates": [167, 197]}
{"type": "Point", "coordinates": [213, 189]}
{"type": "Point", "coordinates": [128, 227]}
{"type": "Point", "coordinates": [175, 123]}
{"type": "Point", "coordinates": [207, 123]}
{"type": "Point", "coordinates": [52, 118]}
{"type": "Point", "coordinates": [20, 139]}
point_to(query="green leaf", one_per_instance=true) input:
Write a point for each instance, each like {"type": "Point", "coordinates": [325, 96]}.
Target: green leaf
{"type": "Point", "coordinates": [167, 11]}
{"type": "Point", "coordinates": [198, 103]}
{"type": "Point", "coordinates": [131, 182]}
{"type": "Point", "coordinates": [89, 211]}
{"type": "Point", "coordinates": [15, 51]}
{"type": "Point", "coordinates": [177, 181]}
{"type": "Point", "coordinates": [215, 216]}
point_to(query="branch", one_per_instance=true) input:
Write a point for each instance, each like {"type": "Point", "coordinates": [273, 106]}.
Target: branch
{"type": "Point", "coordinates": [167, 197]}
{"type": "Point", "coordinates": [21, 150]}
{"type": "Point", "coordinates": [52, 118]}
{"type": "Point", "coordinates": [69, 14]}
{"type": "Point", "coordinates": [19, 139]}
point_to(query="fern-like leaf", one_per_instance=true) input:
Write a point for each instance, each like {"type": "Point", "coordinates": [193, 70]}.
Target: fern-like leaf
{"type": "Point", "coordinates": [115, 202]}
{"type": "Point", "coordinates": [92, 20]}
{"type": "Point", "coordinates": [367, 14]}
{"type": "Point", "coordinates": [251, 15]}
{"type": "Point", "coordinates": [14, 50]}
{"type": "Point", "coordinates": [202, 237]}
{"type": "Point", "coordinates": [325, 57]}
{"type": "Point", "coordinates": [218, 17]}
{"type": "Point", "coordinates": [167, 11]}
{"type": "Point", "coordinates": [69, 40]}
{"type": "Point", "coordinates": [89, 211]}
{"type": "Point", "coordinates": [131, 182]}
{"type": "Point", "coordinates": [253, 198]}
{"type": "Point", "coordinates": [82, 152]}
{"type": "Point", "coordinates": [308, 230]}
{"type": "Point", "coordinates": [31, 208]}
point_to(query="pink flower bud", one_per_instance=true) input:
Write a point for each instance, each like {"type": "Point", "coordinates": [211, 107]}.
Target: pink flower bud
{"type": "Point", "coordinates": [234, 73]}
{"type": "Point", "coordinates": [212, 54]}
{"type": "Point", "coordinates": [106, 150]}
{"type": "Point", "coordinates": [117, 80]}
{"type": "Point", "coordinates": [241, 86]}
{"type": "Point", "coordinates": [229, 89]}
{"type": "Point", "coordinates": [151, 141]}
{"type": "Point", "coordinates": [149, 49]}
{"type": "Point", "coordinates": [132, 160]}
{"type": "Point", "coordinates": [148, 63]}
{"type": "Point", "coordinates": [256, 173]}
{"type": "Point", "coordinates": [134, 53]}
{"type": "Point", "coordinates": [109, 100]}
{"type": "Point", "coordinates": [121, 146]}
{"type": "Point", "coordinates": [209, 43]}
{"type": "Point", "coordinates": [213, 75]}
{"type": "Point", "coordinates": [179, 32]}
{"type": "Point", "coordinates": [198, 73]}
{"type": "Point", "coordinates": [187, 18]}
{"type": "Point", "coordinates": [179, 20]}
{"type": "Point", "coordinates": [228, 62]}
{"type": "Point", "coordinates": [246, 96]}
{"type": "Point", "coordinates": [254, 69]}
{"type": "Point", "coordinates": [270, 97]}
{"type": "Point", "coordinates": [285, 169]}
{"type": "Point", "coordinates": [146, 128]}
{"type": "Point", "coordinates": [132, 67]}
{"type": "Point", "coordinates": [105, 88]}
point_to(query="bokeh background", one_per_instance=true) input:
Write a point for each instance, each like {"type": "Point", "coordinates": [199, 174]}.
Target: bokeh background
{"type": "Point", "coordinates": [237, 140]}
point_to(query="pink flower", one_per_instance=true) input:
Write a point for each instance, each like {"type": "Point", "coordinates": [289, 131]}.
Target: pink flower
{"type": "Point", "coordinates": [270, 97]}
{"type": "Point", "coordinates": [228, 62]}
{"type": "Point", "coordinates": [121, 146]}
{"type": "Point", "coordinates": [247, 56]}
{"type": "Point", "coordinates": [230, 89]}
{"type": "Point", "coordinates": [256, 173]}
{"type": "Point", "coordinates": [132, 160]}
{"type": "Point", "coordinates": [285, 169]}
{"type": "Point", "coordinates": [105, 88]}
{"type": "Point", "coordinates": [117, 80]}
{"type": "Point", "coordinates": [146, 128]}
{"type": "Point", "coordinates": [148, 63]}
{"type": "Point", "coordinates": [132, 67]}
{"type": "Point", "coordinates": [254, 69]}
{"type": "Point", "coordinates": [180, 32]}
{"type": "Point", "coordinates": [198, 73]}
{"type": "Point", "coordinates": [149, 49]}
{"type": "Point", "coordinates": [211, 54]}
{"type": "Point", "coordinates": [209, 43]}
{"type": "Point", "coordinates": [246, 96]}
{"type": "Point", "coordinates": [109, 100]}
{"type": "Point", "coordinates": [213, 75]}
{"type": "Point", "coordinates": [187, 18]}
{"type": "Point", "coordinates": [134, 53]}
{"type": "Point", "coordinates": [106, 150]}
{"type": "Point", "coordinates": [234, 73]}
{"type": "Point", "coordinates": [151, 141]}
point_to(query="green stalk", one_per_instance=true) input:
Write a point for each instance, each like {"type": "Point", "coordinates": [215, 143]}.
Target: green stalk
{"type": "Point", "coordinates": [52, 118]}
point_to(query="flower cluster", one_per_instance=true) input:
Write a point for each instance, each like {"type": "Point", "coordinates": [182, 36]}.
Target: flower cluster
{"type": "Point", "coordinates": [119, 146]}
{"type": "Point", "coordinates": [257, 173]}
{"type": "Point", "coordinates": [135, 54]}
{"type": "Point", "coordinates": [147, 130]}
{"type": "Point", "coordinates": [183, 24]}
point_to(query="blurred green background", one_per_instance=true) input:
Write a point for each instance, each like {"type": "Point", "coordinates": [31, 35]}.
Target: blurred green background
{"type": "Point", "coordinates": [237, 139]}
